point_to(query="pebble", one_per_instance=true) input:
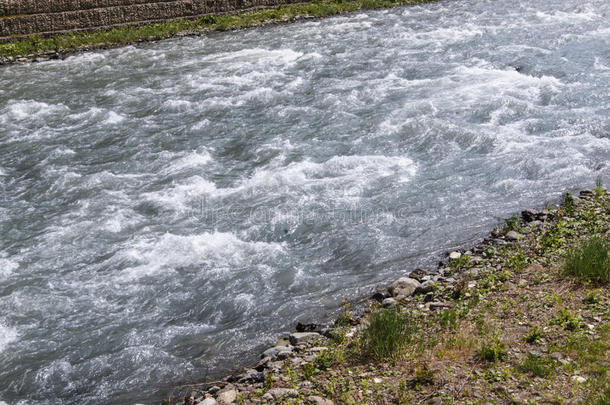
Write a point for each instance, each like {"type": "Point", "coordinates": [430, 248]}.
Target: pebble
{"type": "Point", "coordinates": [388, 302]}
{"type": "Point", "coordinates": [227, 397]}
{"type": "Point", "coordinates": [278, 393]}
{"type": "Point", "coordinates": [513, 236]}
{"type": "Point", "coordinates": [302, 337]}
{"type": "Point", "coordinates": [455, 255]}
{"type": "Point", "coordinates": [273, 351]}
{"type": "Point", "coordinates": [314, 399]}
{"type": "Point", "coordinates": [208, 401]}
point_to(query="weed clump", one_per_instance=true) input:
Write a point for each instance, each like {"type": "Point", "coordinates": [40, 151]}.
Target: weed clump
{"type": "Point", "coordinates": [567, 202]}
{"type": "Point", "coordinates": [534, 335]}
{"type": "Point", "coordinates": [590, 261]}
{"type": "Point", "coordinates": [512, 224]}
{"type": "Point", "coordinates": [492, 350]}
{"type": "Point", "coordinates": [536, 365]}
{"type": "Point", "coordinates": [387, 334]}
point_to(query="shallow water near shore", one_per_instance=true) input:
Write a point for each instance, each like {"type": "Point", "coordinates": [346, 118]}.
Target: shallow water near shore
{"type": "Point", "coordinates": [167, 210]}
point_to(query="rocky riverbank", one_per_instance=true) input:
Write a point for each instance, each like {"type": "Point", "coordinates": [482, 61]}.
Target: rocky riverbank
{"type": "Point", "coordinates": [501, 322]}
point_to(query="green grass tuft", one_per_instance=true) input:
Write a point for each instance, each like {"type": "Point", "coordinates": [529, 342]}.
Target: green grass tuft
{"type": "Point", "coordinates": [387, 335]}
{"type": "Point", "coordinates": [492, 350]}
{"type": "Point", "coordinates": [590, 261]}
{"type": "Point", "coordinates": [538, 366]}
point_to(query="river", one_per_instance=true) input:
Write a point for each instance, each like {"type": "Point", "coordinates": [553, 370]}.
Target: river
{"type": "Point", "coordinates": [168, 209]}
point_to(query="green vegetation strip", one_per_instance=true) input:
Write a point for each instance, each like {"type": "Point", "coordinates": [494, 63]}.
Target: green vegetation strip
{"type": "Point", "coordinates": [70, 42]}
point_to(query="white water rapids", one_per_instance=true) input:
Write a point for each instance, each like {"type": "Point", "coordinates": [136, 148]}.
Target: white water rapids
{"type": "Point", "coordinates": [168, 209]}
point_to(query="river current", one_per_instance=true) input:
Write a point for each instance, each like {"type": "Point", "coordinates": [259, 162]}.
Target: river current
{"type": "Point", "coordinates": [168, 209]}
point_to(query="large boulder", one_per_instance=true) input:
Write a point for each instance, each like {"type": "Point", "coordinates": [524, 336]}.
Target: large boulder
{"type": "Point", "coordinates": [404, 287]}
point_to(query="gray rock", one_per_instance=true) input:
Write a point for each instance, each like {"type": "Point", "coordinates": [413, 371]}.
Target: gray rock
{"type": "Point", "coordinates": [404, 286]}
{"type": "Point", "coordinates": [227, 397]}
{"type": "Point", "coordinates": [529, 215]}
{"type": "Point", "coordinates": [302, 337]}
{"type": "Point", "coordinates": [418, 274]}
{"type": "Point", "coordinates": [208, 401]}
{"type": "Point", "coordinates": [512, 236]}
{"type": "Point", "coordinates": [423, 289]}
{"type": "Point", "coordinates": [252, 376]}
{"type": "Point", "coordinates": [273, 351]}
{"type": "Point", "coordinates": [388, 302]}
{"type": "Point", "coordinates": [284, 354]}
{"type": "Point", "coordinates": [438, 305]}
{"type": "Point", "coordinates": [278, 393]}
{"type": "Point", "coordinates": [455, 255]}
{"type": "Point", "coordinates": [314, 399]}
{"type": "Point", "coordinates": [214, 389]}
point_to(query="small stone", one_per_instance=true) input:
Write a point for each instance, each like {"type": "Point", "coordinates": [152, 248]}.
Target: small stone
{"type": "Point", "coordinates": [529, 215]}
{"type": "Point", "coordinates": [314, 399]}
{"type": "Point", "coordinates": [513, 236]}
{"type": "Point", "coordinates": [429, 297]}
{"type": "Point", "coordinates": [380, 295]}
{"type": "Point", "coordinates": [418, 274]}
{"type": "Point", "coordinates": [404, 286]}
{"type": "Point", "coordinates": [208, 401]}
{"type": "Point", "coordinates": [268, 397]}
{"type": "Point", "coordinates": [434, 401]}
{"type": "Point", "coordinates": [377, 380]}
{"type": "Point", "coordinates": [308, 327]}
{"type": "Point", "coordinates": [278, 393]}
{"type": "Point", "coordinates": [556, 356]}
{"type": "Point", "coordinates": [438, 305]}
{"type": "Point", "coordinates": [284, 354]}
{"type": "Point", "coordinates": [388, 302]}
{"type": "Point", "coordinates": [252, 376]}
{"type": "Point", "coordinates": [455, 255]}
{"type": "Point", "coordinates": [273, 351]}
{"type": "Point", "coordinates": [423, 289]}
{"type": "Point", "coordinates": [302, 337]}
{"type": "Point", "coordinates": [578, 379]}
{"type": "Point", "coordinates": [534, 268]}
{"type": "Point", "coordinates": [213, 389]}
{"type": "Point", "coordinates": [227, 397]}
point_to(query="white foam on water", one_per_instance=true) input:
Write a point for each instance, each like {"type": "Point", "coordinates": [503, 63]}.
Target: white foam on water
{"type": "Point", "coordinates": [32, 109]}
{"type": "Point", "coordinates": [7, 266]}
{"type": "Point", "coordinates": [217, 252]}
{"type": "Point", "coordinates": [336, 174]}
{"type": "Point", "coordinates": [177, 105]}
{"type": "Point", "coordinates": [258, 56]}
{"type": "Point", "coordinates": [7, 335]}
{"type": "Point", "coordinates": [113, 118]}
{"type": "Point", "coordinates": [187, 161]}
{"type": "Point", "coordinates": [567, 17]}
{"type": "Point", "coordinates": [179, 196]}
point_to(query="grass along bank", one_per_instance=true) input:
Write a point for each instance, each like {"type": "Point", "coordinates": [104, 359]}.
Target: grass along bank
{"type": "Point", "coordinates": [61, 44]}
{"type": "Point", "coordinates": [523, 317]}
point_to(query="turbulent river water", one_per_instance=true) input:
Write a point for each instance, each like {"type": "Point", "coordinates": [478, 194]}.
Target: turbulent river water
{"type": "Point", "coordinates": [168, 209]}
